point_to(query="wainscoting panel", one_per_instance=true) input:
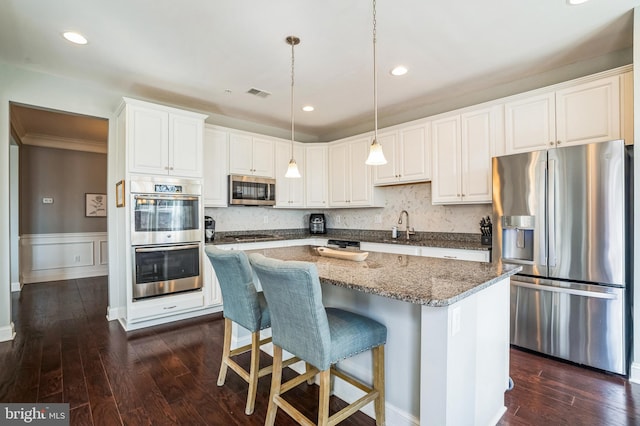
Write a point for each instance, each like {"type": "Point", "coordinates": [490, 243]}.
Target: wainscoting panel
{"type": "Point", "coordinates": [52, 257]}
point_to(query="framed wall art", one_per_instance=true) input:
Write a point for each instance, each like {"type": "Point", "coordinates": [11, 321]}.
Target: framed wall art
{"type": "Point", "coordinates": [95, 205]}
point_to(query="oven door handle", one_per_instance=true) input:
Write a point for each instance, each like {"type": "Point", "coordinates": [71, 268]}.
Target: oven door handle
{"type": "Point", "coordinates": [166, 248]}
{"type": "Point", "coordinates": [167, 197]}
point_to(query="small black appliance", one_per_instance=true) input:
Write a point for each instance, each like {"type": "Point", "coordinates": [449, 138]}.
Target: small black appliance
{"type": "Point", "coordinates": [317, 223]}
{"type": "Point", "coordinates": [209, 229]}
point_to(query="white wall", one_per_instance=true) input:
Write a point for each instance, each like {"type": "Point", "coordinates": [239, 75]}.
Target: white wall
{"type": "Point", "coordinates": [43, 90]}
{"type": "Point", "coordinates": [414, 198]}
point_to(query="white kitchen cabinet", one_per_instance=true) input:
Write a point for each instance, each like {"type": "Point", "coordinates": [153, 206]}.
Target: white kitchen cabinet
{"type": "Point", "coordinates": [210, 281]}
{"type": "Point", "coordinates": [316, 175]}
{"type": "Point", "coordinates": [580, 114]}
{"type": "Point", "coordinates": [215, 167]}
{"type": "Point", "coordinates": [162, 140]}
{"type": "Point", "coordinates": [251, 155]}
{"type": "Point", "coordinates": [408, 154]}
{"type": "Point", "coordinates": [462, 149]}
{"type": "Point", "coordinates": [458, 254]}
{"type": "Point", "coordinates": [289, 191]}
{"type": "Point", "coordinates": [159, 307]}
{"type": "Point", "coordinates": [350, 183]}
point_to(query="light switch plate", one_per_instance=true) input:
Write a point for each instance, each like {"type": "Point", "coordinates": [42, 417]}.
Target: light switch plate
{"type": "Point", "coordinates": [47, 200]}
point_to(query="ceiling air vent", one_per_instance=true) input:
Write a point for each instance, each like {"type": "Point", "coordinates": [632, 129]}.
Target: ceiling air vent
{"type": "Point", "coordinates": [258, 92]}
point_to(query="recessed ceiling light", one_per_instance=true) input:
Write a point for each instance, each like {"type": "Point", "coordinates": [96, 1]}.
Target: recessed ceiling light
{"type": "Point", "coordinates": [576, 2]}
{"type": "Point", "coordinates": [74, 37]}
{"type": "Point", "coordinates": [399, 70]}
{"type": "Point", "coordinates": [308, 108]}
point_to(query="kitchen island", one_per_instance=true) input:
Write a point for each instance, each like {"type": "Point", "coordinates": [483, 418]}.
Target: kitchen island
{"type": "Point", "coordinates": [447, 353]}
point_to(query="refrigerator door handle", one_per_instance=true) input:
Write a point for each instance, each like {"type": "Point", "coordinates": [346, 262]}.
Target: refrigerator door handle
{"type": "Point", "coordinates": [542, 220]}
{"type": "Point", "coordinates": [551, 211]}
{"type": "Point", "coordinates": [564, 290]}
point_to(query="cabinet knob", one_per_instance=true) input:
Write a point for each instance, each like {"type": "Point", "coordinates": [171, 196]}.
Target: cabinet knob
{"type": "Point", "coordinates": [551, 143]}
{"type": "Point", "coordinates": [558, 143]}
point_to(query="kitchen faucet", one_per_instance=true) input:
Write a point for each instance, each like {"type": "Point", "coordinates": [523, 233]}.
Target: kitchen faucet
{"type": "Point", "coordinates": [408, 231]}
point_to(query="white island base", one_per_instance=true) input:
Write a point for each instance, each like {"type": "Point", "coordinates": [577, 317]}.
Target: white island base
{"type": "Point", "coordinates": [443, 365]}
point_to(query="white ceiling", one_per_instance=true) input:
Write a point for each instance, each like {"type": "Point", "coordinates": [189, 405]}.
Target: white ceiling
{"type": "Point", "coordinates": [205, 54]}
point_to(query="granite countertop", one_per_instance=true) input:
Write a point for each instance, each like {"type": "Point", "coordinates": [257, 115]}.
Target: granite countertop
{"type": "Point", "coordinates": [422, 239]}
{"type": "Point", "coordinates": [414, 279]}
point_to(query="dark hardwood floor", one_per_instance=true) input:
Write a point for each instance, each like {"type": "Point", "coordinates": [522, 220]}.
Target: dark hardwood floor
{"type": "Point", "coordinates": [66, 351]}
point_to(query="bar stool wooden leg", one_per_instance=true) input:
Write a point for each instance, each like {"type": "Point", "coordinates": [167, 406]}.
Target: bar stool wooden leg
{"type": "Point", "coordinates": [276, 382]}
{"type": "Point", "coordinates": [378, 384]}
{"type": "Point", "coordinates": [253, 372]}
{"type": "Point", "coordinates": [308, 367]}
{"type": "Point", "coordinates": [323, 403]}
{"type": "Point", "coordinates": [226, 349]}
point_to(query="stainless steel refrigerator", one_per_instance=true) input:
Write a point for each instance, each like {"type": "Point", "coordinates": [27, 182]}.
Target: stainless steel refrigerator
{"type": "Point", "coordinates": [563, 214]}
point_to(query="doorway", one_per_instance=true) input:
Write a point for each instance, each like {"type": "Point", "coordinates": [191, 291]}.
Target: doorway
{"type": "Point", "coordinates": [58, 186]}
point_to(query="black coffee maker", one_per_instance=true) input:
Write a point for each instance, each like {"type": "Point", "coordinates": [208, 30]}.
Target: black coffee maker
{"type": "Point", "coordinates": [317, 224]}
{"type": "Point", "coordinates": [209, 229]}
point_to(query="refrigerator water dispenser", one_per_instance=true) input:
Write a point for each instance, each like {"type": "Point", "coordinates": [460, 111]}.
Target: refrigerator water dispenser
{"type": "Point", "coordinates": [517, 237]}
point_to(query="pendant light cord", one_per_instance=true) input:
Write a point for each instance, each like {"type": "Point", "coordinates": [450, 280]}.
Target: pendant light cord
{"type": "Point", "coordinates": [375, 79]}
{"type": "Point", "coordinates": [292, 81]}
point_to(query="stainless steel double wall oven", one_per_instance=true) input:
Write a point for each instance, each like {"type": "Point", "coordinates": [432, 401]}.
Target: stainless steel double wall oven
{"type": "Point", "coordinates": [166, 236]}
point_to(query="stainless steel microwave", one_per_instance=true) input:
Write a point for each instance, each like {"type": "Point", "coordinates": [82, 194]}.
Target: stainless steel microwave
{"type": "Point", "coordinates": [252, 190]}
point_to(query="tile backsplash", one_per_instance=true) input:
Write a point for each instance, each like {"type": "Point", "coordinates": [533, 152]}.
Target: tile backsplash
{"type": "Point", "coordinates": [414, 198]}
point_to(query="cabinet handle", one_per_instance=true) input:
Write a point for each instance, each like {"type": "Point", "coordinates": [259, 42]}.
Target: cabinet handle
{"type": "Point", "coordinates": [170, 307]}
{"type": "Point", "coordinates": [450, 257]}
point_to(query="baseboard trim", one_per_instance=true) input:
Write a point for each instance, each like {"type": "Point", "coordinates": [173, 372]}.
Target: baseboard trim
{"type": "Point", "coordinates": [16, 287]}
{"type": "Point", "coordinates": [634, 373]}
{"type": "Point", "coordinates": [7, 333]}
{"type": "Point", "coordinates": [127, 326]}
{"type": "Point", "coordinates": [114, 314]}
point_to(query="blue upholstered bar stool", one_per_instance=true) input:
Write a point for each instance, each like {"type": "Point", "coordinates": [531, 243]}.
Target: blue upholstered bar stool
{"type": "Point", "coordinates": [320, 336]}
{"type": "Point", "coordinates": [244, 305]}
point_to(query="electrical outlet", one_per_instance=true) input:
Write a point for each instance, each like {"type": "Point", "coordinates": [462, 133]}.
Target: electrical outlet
{"type": "Point", "coordinates": [77, 259]}
{"type": "Point", "coordinates": [378, 218]}
{"type": "Point", "coordinates": [337, 218]}
{"type": "Point", "coordinates": [265, 219]}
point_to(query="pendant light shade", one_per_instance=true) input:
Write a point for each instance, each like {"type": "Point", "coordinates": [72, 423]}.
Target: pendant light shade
{"type": "Point", "coordinates": [376, 156]}
{"type": "Point", "coordinates": [292, 170]}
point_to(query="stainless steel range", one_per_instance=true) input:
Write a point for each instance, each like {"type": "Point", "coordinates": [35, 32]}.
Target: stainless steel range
{"type": "Point", "coordinates": [166, 236]}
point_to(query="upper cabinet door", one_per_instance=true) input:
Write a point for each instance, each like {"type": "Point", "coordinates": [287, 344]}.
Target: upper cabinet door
{"type": "Point", "coordinates": [445, 185]}
{"type": "Point", "coordinates": [240, 154]}
{"type": "Point", "coordinates": [589, 112]}
{"type": "Point", "coordinates": [215, 170]}
{"type": "Point", "coordinates": [148, 140]}
{"type": "Point", "coordinates": [316, 178]}
{"type": "Point", "coordinates": [388, 173]}
{"type": "Point", "coordinates": [360, 173]}
{"type": "Point", "coordinates": [185, 146]}
{"type": "Point", "coordinates": [478, 132]}
{"type": "Point", "coordinates": [263, 157]}
{"type": "Point", "coordinates": [530, 123]}
{"type": "Point", "coordinates": [339, 180]}
{"type": "Point", "coordinates": [415, 154]}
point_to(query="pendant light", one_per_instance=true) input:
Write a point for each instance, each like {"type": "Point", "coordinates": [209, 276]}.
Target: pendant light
{"type": "Point", "coordinates": [376, 156]}
{"type": "Point", "coordinates": [292, 170]}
